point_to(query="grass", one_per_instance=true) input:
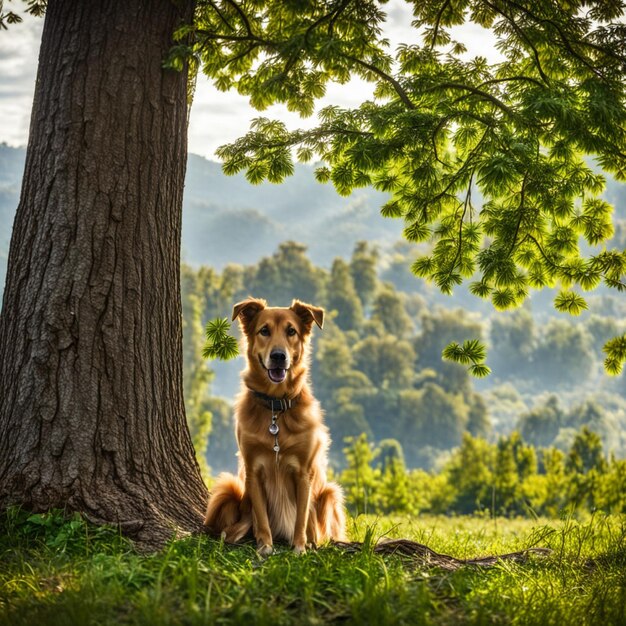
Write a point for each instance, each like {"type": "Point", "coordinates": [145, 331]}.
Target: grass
{"type": "Point", "coordinates": [60, 571]}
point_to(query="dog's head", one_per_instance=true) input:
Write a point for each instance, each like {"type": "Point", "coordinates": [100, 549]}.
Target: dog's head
{"type": "Point", "coordinates": [277, 336]}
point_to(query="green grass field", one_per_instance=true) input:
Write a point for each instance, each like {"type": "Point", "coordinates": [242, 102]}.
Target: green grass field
{"type": "Point", "coordinates": [56, 572]}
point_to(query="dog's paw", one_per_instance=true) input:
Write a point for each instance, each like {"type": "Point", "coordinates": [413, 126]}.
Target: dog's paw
{"type": "Point", "coordinates": [299, 549]}
{"type": "Point", "coordinates": [264, 550]}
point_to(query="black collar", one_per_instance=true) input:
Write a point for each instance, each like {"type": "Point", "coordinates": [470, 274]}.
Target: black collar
{"type": "Point", "coordinates": [274, 404]}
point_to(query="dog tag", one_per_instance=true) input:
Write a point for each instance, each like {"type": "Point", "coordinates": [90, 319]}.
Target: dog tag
{"type": "Point", "coordinates": [274, 429]}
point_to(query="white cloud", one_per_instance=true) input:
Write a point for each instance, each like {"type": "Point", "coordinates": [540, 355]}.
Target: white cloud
{"type": "Point", "coordinates": [19, 50]}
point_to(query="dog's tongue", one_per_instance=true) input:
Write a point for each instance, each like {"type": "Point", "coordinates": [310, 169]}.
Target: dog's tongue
{"type": "Point", "coordinates": [277, 375]}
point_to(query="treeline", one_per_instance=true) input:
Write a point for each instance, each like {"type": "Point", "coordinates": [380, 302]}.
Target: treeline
{"type": "Point", "coordinates": [377, 366]}
{"type": "Point", "coordinates": [508, 477]}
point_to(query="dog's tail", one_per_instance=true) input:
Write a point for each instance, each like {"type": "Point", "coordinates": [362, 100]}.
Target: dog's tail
{"type": "Point", "coordinates": [228, 512]}
{"type": "Point", "coordinates": [331, 518]}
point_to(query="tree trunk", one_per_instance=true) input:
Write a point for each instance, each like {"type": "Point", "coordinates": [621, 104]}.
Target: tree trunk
{"type": "Point", "coordinates": [91, 406]}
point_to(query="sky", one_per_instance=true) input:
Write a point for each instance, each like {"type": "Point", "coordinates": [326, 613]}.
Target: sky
{"type": "Point", "coordinates": [216, 117]}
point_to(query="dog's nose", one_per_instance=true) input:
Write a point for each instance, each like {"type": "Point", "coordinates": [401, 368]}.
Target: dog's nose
{"type": "Point", "coordinates": [278, 356]}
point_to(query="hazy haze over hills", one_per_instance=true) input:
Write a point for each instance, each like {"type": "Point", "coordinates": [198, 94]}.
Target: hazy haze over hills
{"type": "Point", "coordinates": [227, 220]}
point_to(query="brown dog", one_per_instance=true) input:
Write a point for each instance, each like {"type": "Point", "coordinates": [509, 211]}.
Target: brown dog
{"type": "Point", "coordinates": [281, 491]}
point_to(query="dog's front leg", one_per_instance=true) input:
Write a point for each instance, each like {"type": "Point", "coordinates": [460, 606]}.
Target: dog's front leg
{"type": "Point", "coordinates": [261, 524]}
{"type": "Point", "coordinates": [303, 501]}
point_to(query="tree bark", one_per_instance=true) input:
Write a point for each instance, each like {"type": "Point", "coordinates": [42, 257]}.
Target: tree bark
{"type": "Point", "coordinates": [91, 404]}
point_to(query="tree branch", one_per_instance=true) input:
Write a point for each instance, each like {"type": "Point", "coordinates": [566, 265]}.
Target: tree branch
{"type": "Point", "coordinates": [242, 54]}
{"type": "Point", "coordinates": [476, 91]}
{"type": "Point", "coordinates": [522, 35]}
{"type": "Point", "coordinates": [207, 34]}
{"type": "Point", "coordinates": [527, 79]}
{"type": "Point", "coordinates": [221, 15]}
{"type": "Point", "coordinates": [332, 16]}
{"type": "Point", "coordinates": [390, 79]}
{"type": "Point", "coordinates": [520, 208]}
{"type": "Point", "coordinates": [440, 13]}
{"type": "Point", "coordinates": [564, 39]}
{"type": "Point", "coordinates": [242, 15]}
{"type": "Point", "coordinates": [466, 204]}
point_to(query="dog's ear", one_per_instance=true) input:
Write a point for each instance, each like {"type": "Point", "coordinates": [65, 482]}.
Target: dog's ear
{"type": "Point", "coordinates": [308, 314]}
{"type": "Point", "coordinates": [246, 311]}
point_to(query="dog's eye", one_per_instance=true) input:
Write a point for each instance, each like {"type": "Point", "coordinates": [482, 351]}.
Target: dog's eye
{"type": "Point", "coordinates": [265, 331]}
{"type": "Point", "coordinates": [291, 331]}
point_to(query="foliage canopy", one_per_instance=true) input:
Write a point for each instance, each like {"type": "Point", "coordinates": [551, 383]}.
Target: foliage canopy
{"type": "Point", "coordinates": [445, 127]}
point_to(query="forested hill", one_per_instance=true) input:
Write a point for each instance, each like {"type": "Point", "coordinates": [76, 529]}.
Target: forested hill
{"type": "Point", "coordinates": [227, 220]}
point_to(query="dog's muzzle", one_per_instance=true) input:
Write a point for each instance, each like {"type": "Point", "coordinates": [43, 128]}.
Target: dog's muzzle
{"type": "Point", "coordinates": [277, 366]}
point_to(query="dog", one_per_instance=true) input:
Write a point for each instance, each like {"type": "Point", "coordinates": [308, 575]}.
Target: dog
{"type": "Point", "coordinates": [281, 491]}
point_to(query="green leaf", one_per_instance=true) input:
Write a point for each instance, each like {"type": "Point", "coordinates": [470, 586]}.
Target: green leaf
{"type": "Point", "coordinates": [479, 370]}
{"type": "Point", "coordinates": [453, 352]}
{"type": "Point", "coordinates": [304, 154]}
{"type": "Point", "coordinates": [480, 289]}
{"type": "Point", "coordinates": [416, 232]}
{"type": "Point", "coordinates": [615, 350]}
{"type": "Point", "coordinates": [423, 267]}
{"type": "Point", "coordinates": [475, 350]}
{"type": "Point", "coordinates": [392, 209]}
{"type": "Point", "coordinates": [40, 519]}
{"type": "Point", "coordinates": [472, 353]}
{"type": "Point", "coordinates": [613, 367]}
{"type": "Point", "coordinates": [503, 299]}
{"type": "Point", "coordinates": [256, 173]}
{"type": "Point", "coordinates": [322, 174]}
{"type": "Point", "coordinates": [219, 344]}
{"type": "Point", "coordinates": [570, 302]}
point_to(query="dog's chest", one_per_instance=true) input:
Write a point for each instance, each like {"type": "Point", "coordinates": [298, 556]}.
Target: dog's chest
{"type": "Point", "coordinates": [278, 474]}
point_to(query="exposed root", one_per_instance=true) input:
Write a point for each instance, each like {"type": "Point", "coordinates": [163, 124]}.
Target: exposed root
{"type": "Point", "coordinates": [423, 555]}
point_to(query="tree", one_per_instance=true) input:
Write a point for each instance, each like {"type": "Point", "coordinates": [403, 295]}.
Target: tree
{"type": "Point", "coordinates": [196, 375]}
{"type": "Point", "coordinates": [586, 453]}
{"type": "Point", "coordinates": [442, 126]}
{"type": "Point", "coordinates": [333, 366]}
{"type": "Point", "coordinates": [395, 489]}
{"type": "Point", "coordinates": [515, 463]}
{"type": "Point", "coordinates": [91, 414]}
{"type": "Point", "coordinates": [222, 447]}
{"type": "Point", "coordinates": [478, 422]}
{"type": "Point", "coordinates": [610, 492]}
{"type": "Point", "coordinates": [553, 461]}
{"type": "Point", "coordinates": [388, 309]}
{"type": "Point", "coordinates": [439, 328]}
{"type": "Point", "coordinates": [360, 478]}
{"type": "Point", "coordinates": [562, 347]}
{"type": "Point", "coordinates": [505, 479]}
{"type": "Point", "coordinates": [470, 473]}
{"type": "Point", "coordinates": [342, 297]}
{"type": "Point", "coordinates": [438, 419]}
{"type": "Point", "coordinates": [541, 425]}
{"type": "Point", "coordinates": [585, 464]}
{"type": "Point", "coordinates": [390, 450]}
{"type": "Point", "coordinates": [512, 339]}
{"type": "Point", "coordinates": [386, 361]}
{"type": "Point", "coordinates": [286, 275]}
{"type": "Point", "coordinates": [363, 270]}
{"type": "Point", "coordinates": [91, 410]}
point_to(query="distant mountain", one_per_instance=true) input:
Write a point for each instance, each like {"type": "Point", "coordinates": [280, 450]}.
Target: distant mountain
{"type": "Point", "coordinates": [228, 220]}
{"type": "Point", "coordinates": [225, 219]}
